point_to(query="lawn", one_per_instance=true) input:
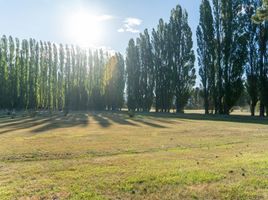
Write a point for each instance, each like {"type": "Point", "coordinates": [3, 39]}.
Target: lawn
{"type": "Point", "coordinates": [102, 155]}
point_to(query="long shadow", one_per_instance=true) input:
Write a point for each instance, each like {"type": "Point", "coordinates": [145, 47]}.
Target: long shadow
{"type": "Point", "coordinates": [118, 118]}
{"type": "Point", "coordinates": [69, 121]}
{"type": "Point", "coordinates": [22, 121]}
{"type": "Point", "coordinates": [43, 123]}
{"type": "Point", "coordinates": [24, 124]}
{"type": "Point", "coordinates": [202, 117]}
{"type": "Point", "coordinates": [101, 120]}
{"type": "Point", "coordinates": [147, 123]}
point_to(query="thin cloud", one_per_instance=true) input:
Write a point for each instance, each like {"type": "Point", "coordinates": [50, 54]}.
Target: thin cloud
{"type": "Point", "coordinates": [130, 25]}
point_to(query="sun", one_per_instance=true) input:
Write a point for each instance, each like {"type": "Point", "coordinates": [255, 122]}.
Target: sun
{"type": "Point", "coordinates": [84, 29]}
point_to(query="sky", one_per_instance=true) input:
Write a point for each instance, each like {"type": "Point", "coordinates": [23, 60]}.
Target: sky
{"type": "Point", "coordinates": [89, 23]}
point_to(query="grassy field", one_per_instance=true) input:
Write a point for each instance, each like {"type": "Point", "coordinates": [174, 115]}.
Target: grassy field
{"type": "Point", "coordinates": [111, 156]}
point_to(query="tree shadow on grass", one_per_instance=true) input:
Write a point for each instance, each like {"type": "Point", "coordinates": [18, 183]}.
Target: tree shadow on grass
{"type": "Point", "coordinates": [22, 123]}
{"type": "Point", "coordinates": [101, 120]}
{"type": "Point", "coordinates": [104, 118]}
{"type": "Point", "coordinates": [43, 123]}
{"type": "Point", "coordinates": [72, 120]}
{"type": "Point", "coordinates": [202, 117]}
{"type": "Point", "coordinates": [148, 123]}
{"type": "Point", "coordinates": [118, 118]}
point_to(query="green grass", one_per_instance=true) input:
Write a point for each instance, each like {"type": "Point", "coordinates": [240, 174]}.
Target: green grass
{"type": "Point", "coordinates": [105, 155]}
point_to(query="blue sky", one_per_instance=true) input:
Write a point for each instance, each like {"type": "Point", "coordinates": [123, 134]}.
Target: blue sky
{"type": "Point", "coordinates": [111, 23]}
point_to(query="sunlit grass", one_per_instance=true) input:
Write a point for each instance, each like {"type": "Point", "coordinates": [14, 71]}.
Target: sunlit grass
{"type": "Point", "coordinates": [111, 156]}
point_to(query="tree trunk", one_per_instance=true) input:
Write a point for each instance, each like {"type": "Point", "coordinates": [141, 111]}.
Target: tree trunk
{"type": "Point", "coordinates": [252, 108]}
{"type": "Point", "coordinates": [262, 110]}
{"type": "Point", "coordinates": [179, 108]}
{"type": "Point", "coordinates": [206, 103]}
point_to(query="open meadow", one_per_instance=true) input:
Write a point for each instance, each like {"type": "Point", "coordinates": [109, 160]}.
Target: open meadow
{"type": "Point", "coordinates": [104, 155]}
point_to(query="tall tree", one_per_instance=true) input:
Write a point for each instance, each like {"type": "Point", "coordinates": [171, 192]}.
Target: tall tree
{"type": "Point", "coordinates": [67, 83]}
{"type": "Point", "coordinates": [263, 82]}
{"type": "Point", "coordinates": [146, 71]}
{"type": "Point", "coordinates": [132, 71]}
{"type": "Point", "coordinates": [206, 54]}
{"type": "Point", "coordinates": [17, 74]}
{"type": "Point", "coordinates": [114, 82]}
{"type": "Point", "coordinates": [54, 77]}
{"type": "Point", "coordinates": [12, 88]}
{"type": "Point", "coordinates": [162, 53]}
{"type": "Point", "coordinates": [32, 100]}
{"type": "Point", "coordinates": [36, 75]}
{"type": "Point", "coordinates": [252, 67]}
{"type": "Point", "coordinates": [234, 54]}
{"type": "Point", "coordinates": [60, 88]}
{"type": "Point", "coordinates": [50, 74]}
{"type": "Point", "coordinates": [4, 72]}
{"type": "Point", "coordinates": [183, 57]}
{"type": "Point", "coordinates": [217, 4]}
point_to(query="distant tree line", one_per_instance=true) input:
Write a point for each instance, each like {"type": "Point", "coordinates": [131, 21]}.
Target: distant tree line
{"type": "Point", "coordinates": [42, 75]}
{"type": "Point", "coordinates": [232, 55]}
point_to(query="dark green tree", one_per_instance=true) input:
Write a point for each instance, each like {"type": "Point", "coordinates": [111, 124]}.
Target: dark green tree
{"type": "Point", "coordinates": [4, 73]}
{"type": "Point", "coordinates": [252, 67]}
{"type": "Point", "coordinates": [11, 85]}
{"type": "Point", "coordinates": [206, 54]}
{"type": "Point", "coordinates": [146, 71]}
{"type": "Point", "coordinates": [182, 56]}
{"type": "Point", "coordinates": [234, 54]}
{"type": "Point", "coordinates": [133, 75]}
{"type": "Point", "coordinates": [60, 88]}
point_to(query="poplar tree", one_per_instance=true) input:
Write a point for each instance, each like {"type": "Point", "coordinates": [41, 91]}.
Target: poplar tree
{"type": "Point", "coordinates": [4, 72]}
{"type": "Point", "coordinates": [54, 77]}
{"type": "Point", "coordinates": [132, 71]}
{"type": "Point", "coordinates": [146, 71]}
{"type": "Point", "coordinates": [252, 66]}
{"type": "Point", "coordinates": [60, 73]}
{"type": "Point", "coordinates": [67, 83]}
{"type": "Point", "coordinates": [17, 74]}
{"type": "Point", "coordinates": [163, 67]}
{"type": "Point", "coordinates": [183, 57]}
{"type": "Point", "coordinates": [50, 74]}
{"type": "Point", "coordinates": [11, 87]}
{"type": "Point", "coordinates": [31, 73]}
{"type": "Point", "coordinates": [206, 54]}
{"type": "Point", "coordinates": [234, 54]}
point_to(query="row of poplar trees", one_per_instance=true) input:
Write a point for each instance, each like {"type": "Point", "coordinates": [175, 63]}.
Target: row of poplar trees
{"type": "Point", "coordinates": [159, 72]}
{"type": "Point", "coordinates": [160, 67]}
{"type": "Point", "coordinates": [232, 55]}
{"type": "Point", "coordinates": [43, 75]}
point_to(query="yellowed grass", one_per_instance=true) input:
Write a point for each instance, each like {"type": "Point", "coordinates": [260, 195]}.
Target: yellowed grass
{"type": "Point", "coordinates": [105, 155]}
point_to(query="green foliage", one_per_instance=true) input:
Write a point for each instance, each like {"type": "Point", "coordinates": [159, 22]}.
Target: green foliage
{"type": "Point", "coordinates": [206, 54]}
{"type": "Point", "coordinates": [162, 68]}
{"type": "Point", "coordinates": [261, 13]}
{"type": "Point", "coordinates": [43, 75]}
{"type": "Point", "coordinates": [164, 92]}
{"type": "Point", "coordinates": [114, 82]}
{"type": "Point", "coordinates": [182, 57]}
{"type": "Point", "coordinates": [133, 76]}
